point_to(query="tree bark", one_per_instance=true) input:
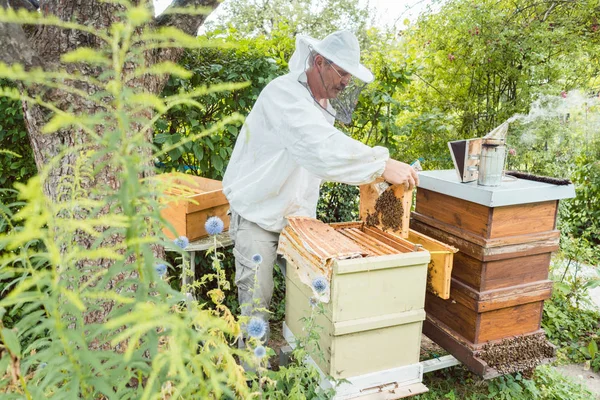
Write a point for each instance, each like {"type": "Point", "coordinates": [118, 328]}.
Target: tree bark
{"type": "Point", "coordinates": [43, 46]}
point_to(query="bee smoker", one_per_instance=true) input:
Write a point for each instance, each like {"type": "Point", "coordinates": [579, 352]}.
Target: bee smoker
{"type": "Point", "coordinates": [481, 159]}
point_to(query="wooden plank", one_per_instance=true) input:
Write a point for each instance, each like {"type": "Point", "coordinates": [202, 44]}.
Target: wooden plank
{"type": "Point", "coordinates": [510, 321]}
{"type": "Point", "coordinates": [464, 215]}
{"type": "Point", "coordinates": [490, 250]}
{"type": "Point", "coordinates": [369, 195]}
{"type": "Point", "coordinates": [389, 239]}
{"type": "Point", "coordinates": [440, 266]}
{"type": "Point", "coordinates": [468, 270]}
{"type": "Point", "coordinates": [516, 271]}
{"type": "Point", "coordinates": [435, 364]}
{"type": "Point", "coordinates": [459, 318]}
{"type": "Point", "coordinates": [502, 298]}
{"type": "Point", "coordinates": [392, 391]}
{"type": "Point", "coordinates": [195, 221]}
{"type": "Point", "coordinates": [174, 213]}
{"type": "Point", "coordinates": [362, 239]}
{"type": "Point", "coordinates": [523, 219]}
{"type": "Point", "coordinates": [206, 200]}
{"type": "Point", "coordinates": [436, 331]}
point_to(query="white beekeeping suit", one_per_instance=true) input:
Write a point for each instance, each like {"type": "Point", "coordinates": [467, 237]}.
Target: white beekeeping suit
{"type": "Point", "coordinates": [286, 148]}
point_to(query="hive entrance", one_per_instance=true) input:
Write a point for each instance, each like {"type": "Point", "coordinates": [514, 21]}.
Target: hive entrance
{"type": "Point", "coordinates": [520, 353]}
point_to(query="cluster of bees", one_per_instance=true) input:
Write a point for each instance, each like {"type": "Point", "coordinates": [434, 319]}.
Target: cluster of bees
{"type": "Point", "coordinates": [388, 211]}
{"type": "Point", "coordinates": [521, 353]}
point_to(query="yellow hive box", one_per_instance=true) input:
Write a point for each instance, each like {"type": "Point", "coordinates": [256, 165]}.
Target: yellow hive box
{"type": "Point", "coordinates": [374, 316]}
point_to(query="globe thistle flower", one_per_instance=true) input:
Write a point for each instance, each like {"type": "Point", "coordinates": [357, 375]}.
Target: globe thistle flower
{"type": "Point", "coordinates": [256, 328]}
{"type": "Point", "coordinates": [313, 302]}
{"type": "Point", "coordinates": [161, 269]}
{"type": "Point", "coordinates": [320, 284]}
{"type": "Point", "coordinates": [260, 351]}
{"type": "Point", "coordinates": [257, 258]}
{"type": "Point", "coordinates": [214, 226]}
{"type": "Point", "coordinates": [182, 242]}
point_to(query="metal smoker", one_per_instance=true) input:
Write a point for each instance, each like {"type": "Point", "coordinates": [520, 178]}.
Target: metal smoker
{"type": "Point", "coordinates": [481, 159]}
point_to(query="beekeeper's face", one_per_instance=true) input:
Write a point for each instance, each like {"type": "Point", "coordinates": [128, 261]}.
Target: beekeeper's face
{"type": "Point", "coordinates": [334, 78]}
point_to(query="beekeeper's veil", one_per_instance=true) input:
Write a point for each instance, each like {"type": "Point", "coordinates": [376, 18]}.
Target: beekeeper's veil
{"type": "Point", "coordinates": [342, 49]}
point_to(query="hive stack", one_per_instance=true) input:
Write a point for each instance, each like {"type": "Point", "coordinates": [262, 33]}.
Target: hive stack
{"type": "Point", "coordinates": [370, 333]}
{"type": "Point", "coordinates": [505, 236]}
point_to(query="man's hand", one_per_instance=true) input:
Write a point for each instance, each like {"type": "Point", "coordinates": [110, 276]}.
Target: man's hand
{"type": "Point", "coordinates": [399, 173]}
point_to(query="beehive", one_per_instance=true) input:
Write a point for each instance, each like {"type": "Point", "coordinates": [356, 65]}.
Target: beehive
{"type": "Point", "coordinates": [440, 267]}
{"type": "Point", "coordinates": [500, 280]}
{"type": "Point", "coordinates": [373, 319]}
{"type": "Point", "coordinates": [203, 198]}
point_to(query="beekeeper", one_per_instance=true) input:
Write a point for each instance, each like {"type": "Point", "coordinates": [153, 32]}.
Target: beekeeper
{"type": "Point", "coordinates": [288, 146]}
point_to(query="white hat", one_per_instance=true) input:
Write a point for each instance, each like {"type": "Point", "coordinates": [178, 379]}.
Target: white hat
{"type": "Point", "coordinates": [340, 47]}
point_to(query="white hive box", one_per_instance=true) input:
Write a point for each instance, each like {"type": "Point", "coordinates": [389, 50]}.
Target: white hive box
{"type": "Point", "coordinates": [372, 321]}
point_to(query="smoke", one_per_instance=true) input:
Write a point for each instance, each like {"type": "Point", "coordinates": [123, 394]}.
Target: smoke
{"type": "Point", "coordinates": [578, 110]}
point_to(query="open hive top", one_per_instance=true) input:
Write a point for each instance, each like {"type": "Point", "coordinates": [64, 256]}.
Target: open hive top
{"type": "Point", "coordinates": [314, 246]}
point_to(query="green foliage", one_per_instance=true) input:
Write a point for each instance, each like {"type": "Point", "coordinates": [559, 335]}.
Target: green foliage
{"type": "Point", "coordinates": [95, 318]}
{"type": "Point", "coordinates": [338, 203]}
{"type": "Point", "coordinates": [315, 18]}
{"type": "Point", "coordinates": [569, 320]}
{"type": "Point", "coordinates": [475, 64]}
{"type": "Point", "coordinates": [16, 157]}
{"type": "Point", "coordinates": [547, 384]}
{"type": "Point", "coordinates": [208, 155]}
{"type": "Point", "coordinates": [582, 214]}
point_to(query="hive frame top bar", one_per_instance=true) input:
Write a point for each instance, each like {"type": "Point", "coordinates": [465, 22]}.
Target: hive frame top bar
{"type": "Point", "coordinates": [512, 191]}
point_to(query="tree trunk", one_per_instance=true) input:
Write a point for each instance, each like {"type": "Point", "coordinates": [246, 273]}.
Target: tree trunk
{"type": "Point", "coordinates": [43, 46]}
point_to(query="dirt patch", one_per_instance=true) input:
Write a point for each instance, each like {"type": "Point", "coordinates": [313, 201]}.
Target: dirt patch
{"type": "Point", "coordinates": [588, 378]}
{"type": "Point", "coordinates": [276, 342]}
{"type": "Point", "coordinates": [430, 349]}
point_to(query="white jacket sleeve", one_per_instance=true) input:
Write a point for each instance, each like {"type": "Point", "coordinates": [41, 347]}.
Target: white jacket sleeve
{"type": "Point", "coordinates": [324, 150]}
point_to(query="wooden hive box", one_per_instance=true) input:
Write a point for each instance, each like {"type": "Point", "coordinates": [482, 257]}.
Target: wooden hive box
{"type": "Point", "coordinates": [440, 267]}
{"type": "Point", "coordinates": [506, 236]}
{"type": "Point", "coordinates": [202, 198]}
{"type": "Point", "coordinates": [374, 316]}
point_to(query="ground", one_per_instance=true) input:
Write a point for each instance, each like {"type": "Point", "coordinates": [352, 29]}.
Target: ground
{"type": "Point", "coordinates": [577, 372]}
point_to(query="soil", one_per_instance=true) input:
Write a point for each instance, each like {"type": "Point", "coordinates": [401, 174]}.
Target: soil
{"type": "Point", "coordinates": [587, 378]}
{"type": "Point", "coordinates": [276, 342]}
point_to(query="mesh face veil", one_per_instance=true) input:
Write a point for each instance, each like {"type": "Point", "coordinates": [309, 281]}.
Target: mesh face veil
{"type": "Point", "coordinates": [345, 102]}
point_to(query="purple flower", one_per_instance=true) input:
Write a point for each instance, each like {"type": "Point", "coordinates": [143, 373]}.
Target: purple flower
{"type": "Point", "coordinates": [214, 226]}
{"type": "Point", "coordinates": [257, 258]}
{"type": "Point", "coordinates": [260, 351]}
{"type": "Point", "coordinates": [161, 269]}
{"type": "Point", "coordinates": [313, 302]}
{"type": "Point", "coordinates": [256, 328]}
{"type": "Point", "coordinates": [320, 284]}
{"type": "Point", "coordinates": [182, 242]}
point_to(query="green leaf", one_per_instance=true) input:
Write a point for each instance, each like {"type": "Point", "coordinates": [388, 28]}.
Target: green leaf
{"type": "Point", "coordinates": [593, 349]}
{"type": "Point", "coordinates": [86, 55]}
{"type": "Point", "coordinates": [217, 162]}
{"type": "Point", "coordinates": [11, 342]}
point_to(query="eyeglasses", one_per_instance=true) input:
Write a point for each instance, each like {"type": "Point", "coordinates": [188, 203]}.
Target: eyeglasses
{"type": "Point", "coordinates": [347, 76]}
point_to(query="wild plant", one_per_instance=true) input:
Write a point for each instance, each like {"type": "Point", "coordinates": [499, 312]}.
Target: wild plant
{"type": "Point", "coordinates": [83, 258]}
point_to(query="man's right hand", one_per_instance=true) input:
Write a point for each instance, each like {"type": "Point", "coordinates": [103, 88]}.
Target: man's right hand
{"type": "Point", "coordinates": [399, 173]}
